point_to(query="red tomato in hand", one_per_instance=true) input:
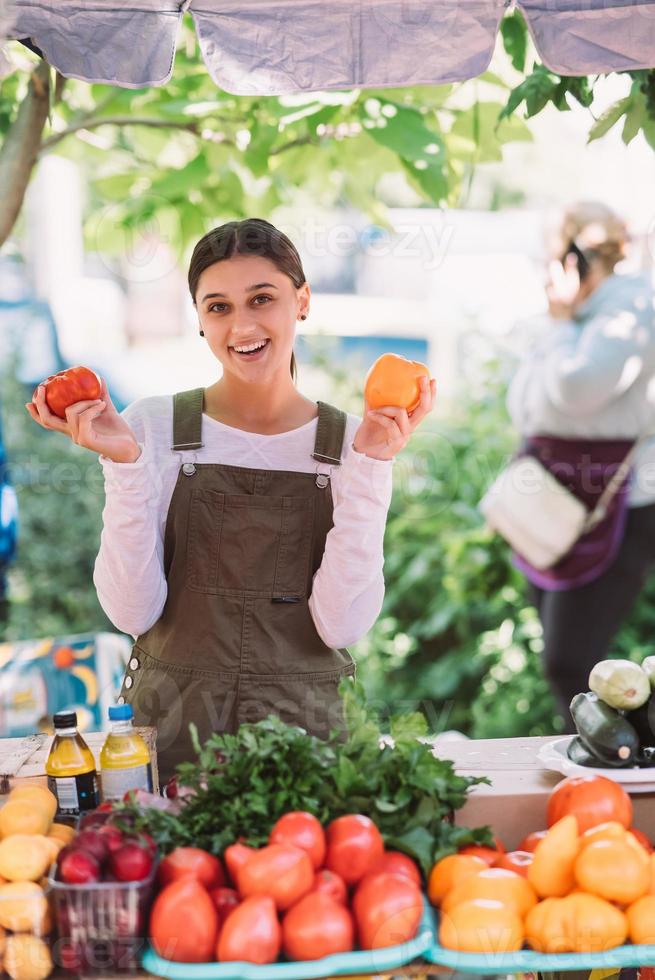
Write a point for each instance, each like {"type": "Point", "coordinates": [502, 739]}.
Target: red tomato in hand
{"type": "Point", "coordinates": [388, 909]}
{"type": "Point", "coordinates": [397, 863]}
{"type": "Point", "coordinates": [225, 901]}
{"type": "Point", "coordinates": [76, 384]}
{"type": "Point", "coordinates": [193, 861]}
{"type": "Point", "coordinates": [184, 923]}
{"type": "Point", "coordinates": [301, 830]}
{"type": "Point", "coordinates": [251, 932]}
{"type": "Point", "coordinates": [591, 800]}
{"type": "Point", "coordinates": [518, 861]}
{"type": "Point", "coordinates": [354, 846]}
{"type": "Point", "coordinates": [283, 872]}
{"type": "Point", "coordinates": [328, 883]}
{"type": "Point", "coordinates": [531, 840]}
{"type": "Point", "coordinates": [235, 856]}
{"type": "Point", "coordinates": [317, 926]}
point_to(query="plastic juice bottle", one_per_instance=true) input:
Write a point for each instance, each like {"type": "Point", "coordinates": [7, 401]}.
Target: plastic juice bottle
{"type": "Point", "coordinates": [71, 768]}
{"type": "Point", "coordinates": [125, 757]}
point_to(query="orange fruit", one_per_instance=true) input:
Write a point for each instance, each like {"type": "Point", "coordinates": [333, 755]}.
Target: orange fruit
{"type": "Point", "coordinates": [641, 920]}
{"type": "Point", "coordinates": [495, 884]}
{"type": "Point", "coordinates": [23, 816]}
{"type": "Point", "coordinates": [27, 958]}
{"type": "Point", "coordinates": [449, 872]}
{"type": "Point", "coordinates": [23, 907]}
{"type": "Point", "coordinates": [481, 926]}
{"type": "Point", "coordinates": [62, 832]}
{"type": "Point", "coordinates": [614, 870]}
{"type": "Point", "coordinates": [39, 795]}
{"type": "Point", "coordinates": [393, 380]}
{"type": "Point", "coordinates": [551, 872]}
{"type": "Point", "coordinates": [597, 925]}
{"type": "Point", "coordinates": [548, 927]}
{"type": "Point", "coordinates": [25, 857]}
{"type": "Point", "coordinates": [612, 830]}
{"type": "Point", "coordinates": [642, 838]}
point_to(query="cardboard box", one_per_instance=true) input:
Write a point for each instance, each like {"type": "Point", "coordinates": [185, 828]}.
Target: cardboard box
{"type": "Point", "coordinates": [515, 802]}
{"type": "Point", "coordinates": [23, 759]}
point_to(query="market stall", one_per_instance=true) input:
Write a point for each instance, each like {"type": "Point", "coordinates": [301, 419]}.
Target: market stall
{"type": "Point", "coordinates": [283, 856]}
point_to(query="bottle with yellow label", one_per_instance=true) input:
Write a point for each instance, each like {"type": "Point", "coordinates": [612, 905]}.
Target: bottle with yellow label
{"type": "Point", "coordinates": [125, 757]}
{"type": "Point", "coordinates": [71, 768]}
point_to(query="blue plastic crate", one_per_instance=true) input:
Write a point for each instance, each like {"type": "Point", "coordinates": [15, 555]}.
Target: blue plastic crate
{"type": "Point", "coordinates": [341, 964]}
{"type": "Point", "coordinates": [529, 961]}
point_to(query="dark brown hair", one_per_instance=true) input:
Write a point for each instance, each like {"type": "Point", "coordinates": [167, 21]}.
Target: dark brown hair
{"type": "Point", "coordinates": [251, 236]}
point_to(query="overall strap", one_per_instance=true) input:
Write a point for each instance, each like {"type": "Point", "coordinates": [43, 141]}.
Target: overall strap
{"type": "Point", "coordinates": [187, 419]}
{"type": "Point", "coordinates": [330, 431]}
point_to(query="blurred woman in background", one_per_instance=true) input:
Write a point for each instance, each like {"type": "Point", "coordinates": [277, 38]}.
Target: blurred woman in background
{"type": "Point", "coordinates": [580, 399]}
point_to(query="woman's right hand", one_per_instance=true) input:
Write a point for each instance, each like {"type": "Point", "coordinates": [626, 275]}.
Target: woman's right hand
{"type": "Point", "coordinates": [96, 425]}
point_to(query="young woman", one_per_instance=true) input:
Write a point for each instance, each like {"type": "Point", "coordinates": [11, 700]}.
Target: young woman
{"type": "Point", "coordinates": [244, 523]}
{"type": "Point", "coordinates": [580, 399]}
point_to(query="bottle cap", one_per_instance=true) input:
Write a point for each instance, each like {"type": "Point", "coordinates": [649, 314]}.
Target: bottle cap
{"type": "Point", "coordinates": [121, 712]}
{"type": "Point", "coordinates": [65, 719]}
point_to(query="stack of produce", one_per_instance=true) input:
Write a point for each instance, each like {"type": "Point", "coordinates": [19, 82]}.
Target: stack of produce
{"type": "Point", "coordinates": [30, 842]}
{"type": "Point", "coordinates": [615, 719]}
{"type": "Point", "coordinates": [586, 886]}
{"type": "Point", "coordinates": [306, 894]}
{"type": "Point", "coordinates": [102, 886]}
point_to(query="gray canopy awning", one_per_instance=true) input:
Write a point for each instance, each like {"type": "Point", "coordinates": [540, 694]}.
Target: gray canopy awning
{"type": "Point", "coordinates": [274, 47]}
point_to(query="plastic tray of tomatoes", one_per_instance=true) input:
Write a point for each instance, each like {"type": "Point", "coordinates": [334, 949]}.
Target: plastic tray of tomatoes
{"type": "Point", "coordinates": [340, 964]}
{"type": "Point", "coordinates": [529, 961]}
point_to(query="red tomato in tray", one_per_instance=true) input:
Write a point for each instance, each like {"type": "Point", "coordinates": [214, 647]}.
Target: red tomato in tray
{"type": "Point", "coordinates": [284, 873]}
{"type": "Point", "coordinates": [355, 846]}
{"type": "Point", "coordinates": [317, 926]}
{"type": "Point", "coordinates": [488, 854]}
{"type": "Point", "coordinates": [531, 840]}
{"type": "Point", "coordinates": [397, 863]}
{"type": "Point", "coordinates": [592, 800]}
{"type": "Point", "coordinates": [225, 901]}
{"type": "Point", "coordinates": [184, 923]}
{"type": "Point", "coordinates": [235, 856]}
{"type": "Point", "coordinates": [301, 830]}
{"type": "Point", "coordinates": [518, 861]}
{"type": "Point", "coordinates": [193, 861]}
{"type": "Point", "coordinates": [251, 932]}
{"type": "Point", "coordinates": [388, 909]}
{"type": "Point", "coordinates": [65, 388]}
{"type": "Point", "coordinates": [328, 883]}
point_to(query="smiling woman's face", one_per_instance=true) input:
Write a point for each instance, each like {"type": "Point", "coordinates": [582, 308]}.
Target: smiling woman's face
{"type": "Point", "coordinates": [246, 302]}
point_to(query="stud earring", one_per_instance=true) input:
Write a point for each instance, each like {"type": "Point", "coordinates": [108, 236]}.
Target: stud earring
{"type": "Point", "coordinates": [303, 316]}
{"type": "Point", "coordinates": [202, 333]}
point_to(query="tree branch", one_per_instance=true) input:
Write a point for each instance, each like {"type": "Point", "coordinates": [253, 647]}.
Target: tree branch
{"type": "Point", "coordinates": [301, 141]}
{"type": "Point", "coordinates": [196, 128]}
{"type": "Point", "coordinates": [20, 149]}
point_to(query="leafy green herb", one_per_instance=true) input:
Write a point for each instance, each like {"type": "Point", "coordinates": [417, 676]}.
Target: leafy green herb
{"type": "Point", "coordinates": [243, 783]}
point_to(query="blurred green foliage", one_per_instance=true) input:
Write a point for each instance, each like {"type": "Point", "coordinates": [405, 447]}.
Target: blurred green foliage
{"type": "Point", "coordinates": [60, 496]}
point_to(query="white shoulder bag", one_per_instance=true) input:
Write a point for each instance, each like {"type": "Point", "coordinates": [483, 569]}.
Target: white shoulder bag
{"type": "Point", "coordinates": [538, 516]}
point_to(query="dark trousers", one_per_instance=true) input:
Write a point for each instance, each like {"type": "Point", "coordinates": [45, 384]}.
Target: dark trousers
{"type": "Point", "coordinates": [580, 624]}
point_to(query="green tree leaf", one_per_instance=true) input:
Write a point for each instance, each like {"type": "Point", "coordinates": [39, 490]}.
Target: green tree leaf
{"type": "Point", "coordinates": [514, 33]}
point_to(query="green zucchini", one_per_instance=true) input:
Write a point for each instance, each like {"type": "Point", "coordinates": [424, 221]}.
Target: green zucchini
{"type": "Point", "coordinates": [606, 733]}
{"type": "Point", "coordinates": [578, 752]}
{"type": "Point", "coordinates": [642, 720]}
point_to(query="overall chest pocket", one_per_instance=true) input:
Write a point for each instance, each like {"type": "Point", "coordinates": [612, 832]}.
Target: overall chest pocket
{"type": "Point", "coordinates": [244, 544]}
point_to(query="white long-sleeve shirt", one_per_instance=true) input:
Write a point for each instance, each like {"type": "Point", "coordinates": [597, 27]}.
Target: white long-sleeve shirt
{"type": "Point", "coordinates": [593, 377]}
{"type": "Point", "coordinates": [348, 587]}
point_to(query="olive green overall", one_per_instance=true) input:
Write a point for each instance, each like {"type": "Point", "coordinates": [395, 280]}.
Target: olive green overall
{"type": "Point", "coordinates": [236, 640]}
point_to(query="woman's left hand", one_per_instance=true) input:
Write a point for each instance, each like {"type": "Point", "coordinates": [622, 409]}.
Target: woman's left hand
{"type": "Point", "coordinates": [385, 431]}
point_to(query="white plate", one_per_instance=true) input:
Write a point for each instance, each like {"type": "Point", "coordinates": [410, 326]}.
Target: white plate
{"type": "Point", "coordinates": [553, 756]}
